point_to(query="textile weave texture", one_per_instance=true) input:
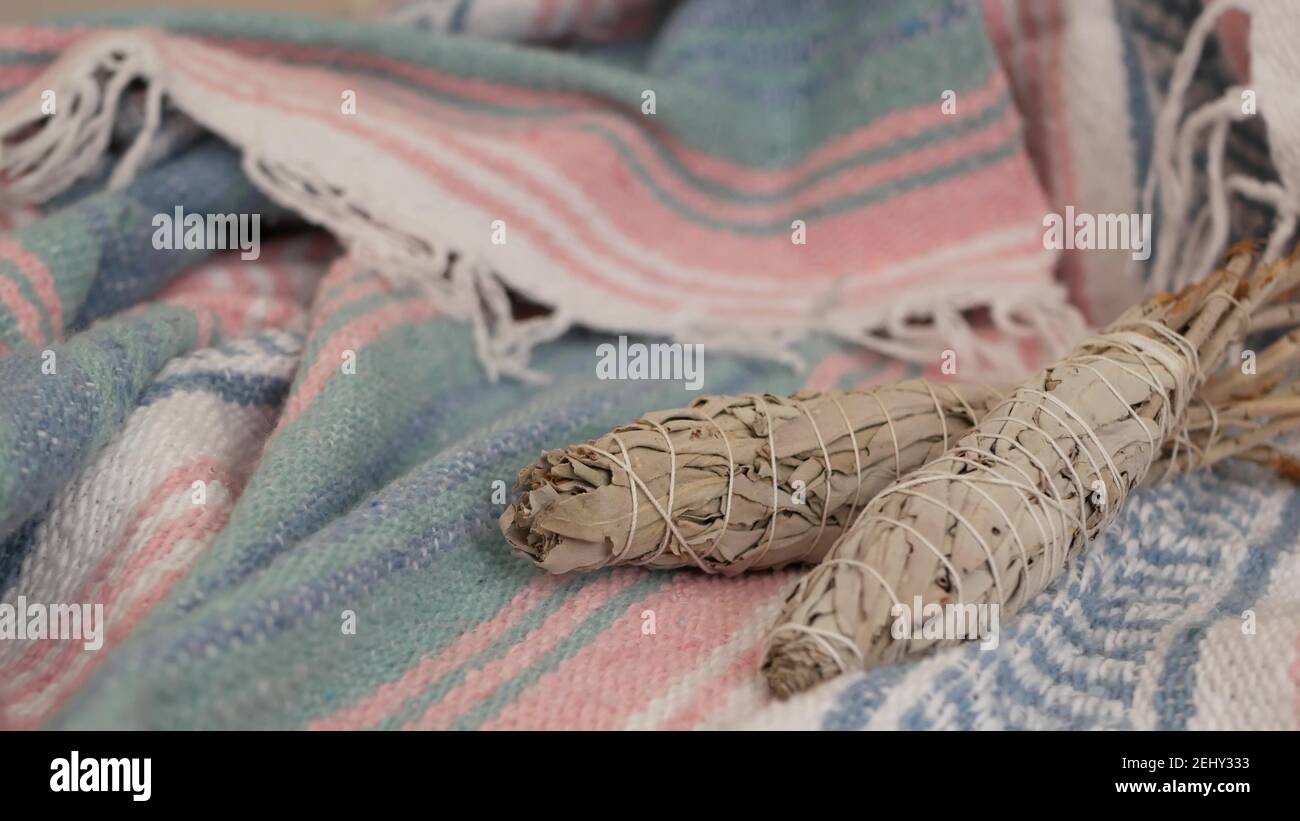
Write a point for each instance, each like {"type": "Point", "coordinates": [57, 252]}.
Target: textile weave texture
{"type": "Point", "coordinates": [751, 175]}
{"type": "Point", "coordinates": [240, 458]}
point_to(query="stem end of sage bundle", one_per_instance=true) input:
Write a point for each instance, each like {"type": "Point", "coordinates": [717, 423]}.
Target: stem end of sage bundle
{"type": "Point", "coordinates": [521, 523]}
{"type": "Point", "coordinates": [797, 664]}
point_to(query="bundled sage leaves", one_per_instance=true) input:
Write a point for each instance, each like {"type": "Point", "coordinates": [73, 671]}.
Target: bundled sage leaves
{"type": "Point", "coordinates": [733, 483]}
{"type": "Point", "coordinates": [997, 517]}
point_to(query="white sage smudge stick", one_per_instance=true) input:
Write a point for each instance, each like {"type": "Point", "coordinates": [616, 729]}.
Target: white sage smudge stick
{"type": "Point", "coordinates": [996, 518]}
{"type": "Point", "coordinates": [733, 483]}
{"type": "Point", "coordinates": [556, 526]}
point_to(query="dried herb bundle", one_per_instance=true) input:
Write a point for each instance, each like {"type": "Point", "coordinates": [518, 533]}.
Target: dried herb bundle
{"type": "Point", "coordinates": [997, 517]}
{"type": "Point", "coordinates": [733, 483]}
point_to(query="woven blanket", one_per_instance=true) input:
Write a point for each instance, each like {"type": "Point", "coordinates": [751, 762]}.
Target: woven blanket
{"type": "Point", "coordinates": [281, 477]}
{"type": "Point", "coordinates": [1185, 618]}
{"type": "Point", "coordinates": [743, 192]}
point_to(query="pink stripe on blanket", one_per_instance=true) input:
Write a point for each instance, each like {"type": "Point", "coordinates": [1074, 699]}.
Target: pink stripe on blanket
{"type": "Point", "coordinates": [1054, 79]}
{"type": "Point", "coordinates": [39, 277]}
{"type": "Point", "coordinates": [584, 15]}
{"type": "Point", "coordinates": [826, 375]}
{"type": "Point", "coordinates": [543, 18]}
{"type": "Point", "coordinates": [234, 299]}
{"type": "Point", "coordinates": [1062, 188]}
{"type": "Point", "coordinates": [349, 295]}
{"type": "Point", "coordinates": [880, 133]}
{"type": "Point", "coordinates": [1007, 43]}
{"type": "Point", "coordinates": [559, 251]}
{"type": "Point", "coordinates": [389, 697]}
{"type": "Point", "coordinates": [712, 695]}
{"type": "Point", "coordinates": [341, 269]}
{"type": "Point", "coordinates": [234, 314]}
{"type": "Point", "coordinates": [828, 372]}
{"type": "Point", "coordinates": [582, 157]}
{"type": "Point", "coordinates": [637, 214]}
{"type": "Point", "coordinates": [1234, 36]}
{"type": "Point", "coordinates": [26, 314]}
{"type": "Point", "coordinates": [103, 587]}
{"type": "Point", "coordinates": [840, 237]}
{"type": "Point", "coordinates": [634, 20]}
{"type": "Point", "coordinates": [1031, 68]}
{"type": "Point", "coordinates": [1016, 262]}
{"type": "Point", "coordinates": [337, 290]}
{"type": "Point", "coordinates": [18, 76]}
{"type": "Point", "coordinates": [481, 684]}
{"type": "Point", "coordinates": [65, 674]}
{"type": "Point", "coordinates": [178, 480]}
{"type": "Point", "coordinates": [42, 39]}
{"type": "Point", "coordinates": [694, 615]}
{"type": "Point", "coordinates": [894, 370]}
{"type": "Point", "coordinates": [354, 336]}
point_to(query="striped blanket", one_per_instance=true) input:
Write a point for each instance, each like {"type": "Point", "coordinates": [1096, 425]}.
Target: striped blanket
{"type": "Point", "coordinates": [281, 476]}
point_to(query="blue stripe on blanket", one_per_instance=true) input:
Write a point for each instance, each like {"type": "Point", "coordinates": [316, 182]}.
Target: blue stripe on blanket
{"type": "Point", "coordinates": [236, 388]}
{"type": "Point", "coordinates": [1174, 701]}
{"type": "Point", "coordinates": [1091, 648]}
{"type": "Point", "coordinates": [1141, 120]}
{"type": "Point", "coordinates": [12, 552]}
{"type": "Point", "coordinates": [855, 705]}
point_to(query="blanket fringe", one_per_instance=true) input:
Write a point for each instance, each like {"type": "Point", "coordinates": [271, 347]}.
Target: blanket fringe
{"type": "Point", "coordinates": [41, 155]}
{"type": "Point", "coordinates": [1192, 242]}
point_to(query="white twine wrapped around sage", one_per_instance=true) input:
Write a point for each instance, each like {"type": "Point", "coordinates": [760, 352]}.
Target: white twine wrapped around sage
{"type": "Point", "coordinates": [733, 483]}
{"type": "Point", "coordinates": [996, 518]}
